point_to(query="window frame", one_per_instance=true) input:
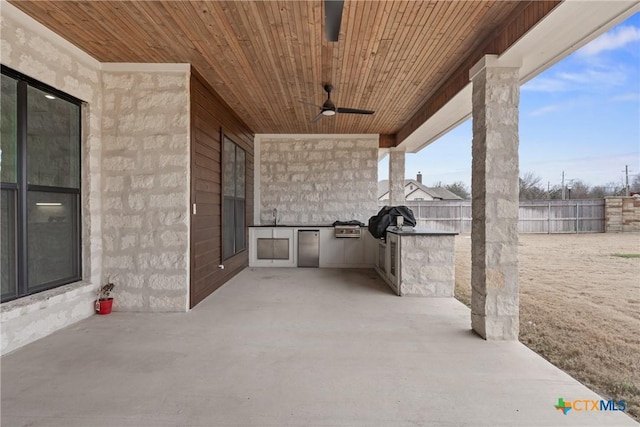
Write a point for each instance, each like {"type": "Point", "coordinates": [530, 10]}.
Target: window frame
{"type": "Point", "coordinates": [21, 189]}
{"type": "Point", "coordinates": [223, 139]}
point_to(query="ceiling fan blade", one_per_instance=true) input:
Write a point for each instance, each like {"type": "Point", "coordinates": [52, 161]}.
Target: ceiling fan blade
{"type": "Point", "coordinates": [316, 118]}
{"type": "Point", "coordinates": [354, 111]}
{"type": "Point", "coordinates": [333, 18]}
{"type": "Point", "coordinates": [308, 103]}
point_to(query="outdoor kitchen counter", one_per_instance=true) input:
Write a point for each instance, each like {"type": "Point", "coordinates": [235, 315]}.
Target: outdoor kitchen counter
{"type": "Point", "coordinates": [418, 261]}
{"type": "Point", "coordinates": [291, 226]}
{"type": "Point", "coordinates": [334, 252]}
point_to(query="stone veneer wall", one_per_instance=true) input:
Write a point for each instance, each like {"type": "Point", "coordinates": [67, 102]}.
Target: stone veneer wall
{"type": "Point", "coordinates": [316, 180]}
{"type": "Point", "coordinates": [427, 266]}
{"type": "Point", "coordinates": [621, 214]}
{"type": "Point", "coordinates": [146, 189]}
{"type": "Point", "coordinates": [495, 293]}
{"type": "Point", "coordinates": [136, 140]}
{"type": "Point", "coordinates": [33, 50]}
{"type": "Point", "coordinates": [396, 177]}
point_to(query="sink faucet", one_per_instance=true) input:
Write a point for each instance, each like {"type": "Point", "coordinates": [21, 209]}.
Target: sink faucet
{"type": "Point", "coordinates": [275, 216]}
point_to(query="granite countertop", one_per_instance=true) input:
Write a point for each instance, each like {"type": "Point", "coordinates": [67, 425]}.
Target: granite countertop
{"type": "Point", "coordinates": [409, 231]}
{"type": "Point", "coordinates": [295, 226]}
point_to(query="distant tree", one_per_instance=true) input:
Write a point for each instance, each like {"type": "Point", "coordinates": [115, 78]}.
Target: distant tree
{"type": "Point", "coordinates": [459, 188]}
{"type": "Point", "coordinates": [599, 192]}
{"type": "Point", "coordinates": [531, 187]}
{"type": "Point", "coordinates": [579, 190]}
{"type": "Point", "coordinates": [609, 189]}
{"type": "Point", "coordinates": [555, 192]}
{"type": "Point", "coordinates": [634, 185]}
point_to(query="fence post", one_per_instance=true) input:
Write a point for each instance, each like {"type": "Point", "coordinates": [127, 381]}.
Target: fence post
{"type": "Point", "coordinates": [577, 217]}
{"type": "Point", "coordinates": [549, 217]}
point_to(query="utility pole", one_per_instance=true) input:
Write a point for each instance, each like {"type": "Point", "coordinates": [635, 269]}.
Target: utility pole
{"type": "Point", "coordinates": [562, 185]}
{"type": "Point", "coordinates": [626, 175]}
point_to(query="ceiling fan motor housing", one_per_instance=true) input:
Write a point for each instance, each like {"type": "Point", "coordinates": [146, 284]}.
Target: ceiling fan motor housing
{"type": "Point", "coordinates": [330, 109]}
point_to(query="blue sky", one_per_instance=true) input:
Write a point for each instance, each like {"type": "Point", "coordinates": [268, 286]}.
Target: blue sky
{"type": "Point", "coordinates": [581, 116]}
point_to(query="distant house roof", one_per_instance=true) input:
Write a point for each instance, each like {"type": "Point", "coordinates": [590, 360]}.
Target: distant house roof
{"type": "Point", "coordinates": [383, 187]}
{"type": "Point", "coordinates": [438, 193]}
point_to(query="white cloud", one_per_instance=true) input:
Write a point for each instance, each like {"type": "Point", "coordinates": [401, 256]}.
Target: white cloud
{"type": "Point", "coordinates": [545, 84]}
{"type": "Point", "coordinates": [608, 77]}
{"type": "Point", "coordinates": [612, 40]}
{"type": "Point", "coordinates": [587, 79]}
{"type": "Point", "coordinates": [625, 97]}
{"type": "Point", "coordinates": [545, 110]}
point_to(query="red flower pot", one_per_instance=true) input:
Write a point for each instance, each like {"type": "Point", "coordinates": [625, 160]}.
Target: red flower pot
{"type": "Point", "coordinates": [103, 306]}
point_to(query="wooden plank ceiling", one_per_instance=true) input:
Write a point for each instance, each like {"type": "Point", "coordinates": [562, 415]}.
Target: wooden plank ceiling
{"type": "Point", "coordinates": [264, 57]}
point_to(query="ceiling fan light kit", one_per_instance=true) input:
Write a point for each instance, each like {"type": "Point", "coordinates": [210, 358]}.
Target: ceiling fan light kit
{"type": "Point", "coordinates": [330, 109]}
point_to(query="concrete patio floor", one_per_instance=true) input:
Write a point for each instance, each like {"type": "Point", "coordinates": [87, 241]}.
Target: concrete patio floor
{"type": "Point", "coordinates": [289, 347]}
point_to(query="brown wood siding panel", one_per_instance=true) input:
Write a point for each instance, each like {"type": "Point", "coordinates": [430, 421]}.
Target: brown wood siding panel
{"type": "Point", "coordinates": [206, 197]}
{"type": "Point", "coordinates": [210, 115]}
{"type": "Point", "coordinates": [205, 186]}
{"type": "Point", "coordinates": [208, 152]}
{"type": "Point", "coordinates": [206, 175]}
{"type": "Point", "coordinates": [206, 285]}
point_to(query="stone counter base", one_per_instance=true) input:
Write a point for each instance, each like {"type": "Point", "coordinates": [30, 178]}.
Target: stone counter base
{"type": "Point", "coordinates": [427, 266]}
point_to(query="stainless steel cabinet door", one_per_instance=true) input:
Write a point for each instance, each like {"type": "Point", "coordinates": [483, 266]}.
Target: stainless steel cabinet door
{"type": "Point", "coordinates": [308, 248]}
{"type": "Point", "coordinates": [280, 248]}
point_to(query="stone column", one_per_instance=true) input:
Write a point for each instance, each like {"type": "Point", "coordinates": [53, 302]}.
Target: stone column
{"type": "Point", "coordinates": [494, 187]}
{"type": "Point", "coordinates": [396, 177]}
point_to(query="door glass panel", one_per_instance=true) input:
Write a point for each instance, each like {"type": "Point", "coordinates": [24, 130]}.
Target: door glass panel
{"type": "Point", "coordinates": [53, 132]}
{"type": "Point", "coordinates": [233, 215]}
{"type": "Point", "coordinates": [240, 229]}
{"type": "Point", "coordinates": [229, 167]}
{"type": "Point", "coordinates": [8, 246]}
{"type": "Point", "coordinates": [240, 173]}
{"type": "Point", "coordinates": [8, 129]}
{"type": "Point", "coordinates": [52, 237]}
{"type": "Point", "coordinates": [228, 228]}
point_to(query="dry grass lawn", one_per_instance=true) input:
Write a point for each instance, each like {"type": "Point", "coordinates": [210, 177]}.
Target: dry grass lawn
{"type": "Point", "coordinates": [579, 306]}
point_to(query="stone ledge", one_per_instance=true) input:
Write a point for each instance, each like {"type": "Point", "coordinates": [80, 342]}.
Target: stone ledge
{"type": "Point", "coordinates": [43, 300]}
{"type": "Point", "coordinates": [30, 318]}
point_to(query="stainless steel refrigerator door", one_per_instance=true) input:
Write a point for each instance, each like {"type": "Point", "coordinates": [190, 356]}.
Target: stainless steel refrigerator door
{"type": "Point", "coordinates": [308, 248]}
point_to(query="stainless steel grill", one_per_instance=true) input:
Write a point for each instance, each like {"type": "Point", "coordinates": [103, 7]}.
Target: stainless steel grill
{"type": "Point", "coordinates": [347, 231]}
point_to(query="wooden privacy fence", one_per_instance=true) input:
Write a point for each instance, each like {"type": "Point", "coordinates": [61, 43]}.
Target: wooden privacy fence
{"type": "Point", "coordinates": [540, 216]}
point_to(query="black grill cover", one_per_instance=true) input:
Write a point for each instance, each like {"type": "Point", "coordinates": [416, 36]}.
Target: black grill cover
{"type": "Point", "coordinates": [387, 216]}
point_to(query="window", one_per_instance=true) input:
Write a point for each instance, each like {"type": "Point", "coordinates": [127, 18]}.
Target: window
{"type": "Point", "coordinates": [40, 187]}
{"type": "Point", "coordinates": [233, 205]}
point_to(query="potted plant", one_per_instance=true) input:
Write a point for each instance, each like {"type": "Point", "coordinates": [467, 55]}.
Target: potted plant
{"type": "Point", "coordinates": [104, 303]}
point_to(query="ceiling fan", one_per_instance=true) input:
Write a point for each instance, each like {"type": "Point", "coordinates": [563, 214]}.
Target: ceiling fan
{"type": "Point", "coordinates": [329, 108]}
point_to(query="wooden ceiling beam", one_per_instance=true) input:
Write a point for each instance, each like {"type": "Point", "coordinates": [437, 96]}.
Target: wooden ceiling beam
{"type": "Point", "coordinates": [387, 141]}
{"type": "Point", "coordinates": [521, 21]}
